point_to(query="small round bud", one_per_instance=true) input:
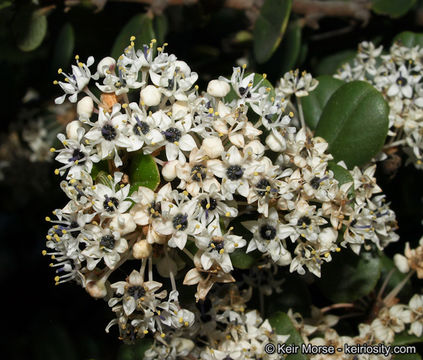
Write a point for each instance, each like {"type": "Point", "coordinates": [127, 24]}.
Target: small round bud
{"type": "Point", "coordinates": [285, 259]}
{"type": "Point", "coordinates": [275, 144]}
{"type": "Point", "coordinates": [220, 126]}
{"type": "Point", "coordinates": [106, 64]}
{"type": "Point", "coordinates": [327, 237]}
{"type": "Point", "coordinates": [255, 147]}
{"type": "Point", "coordinates": [218, 88]}
{"type": "Point", "coordinates": [213, 147]}
{"type": "Point", "coordinates": [124, 223]}
{"type": "Point", "coordinates": [401, 263]}
{"type": "Point", "coordinates": [72, 129]}
{"type": "Point", "coordinates": [85, 108]}
{"type": "Point", "coordinates": [142, 249]}
{"type": "Point", "coordinates": [169, 170]}
{"type": "Point", "coordinates": [151, 96]}
{"type": "Point", "coordinates": [97, 289]}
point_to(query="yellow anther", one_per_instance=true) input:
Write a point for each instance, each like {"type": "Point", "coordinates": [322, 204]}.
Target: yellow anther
{"type": "Point", "coordinates": [59, 71]}
{"type": "Point", "coordinates": [44, 252]}
{"type": "Point", "coordinates": [55, 82]}
{"type": "Point", "coordinates": [56, 172]}
{"type": "Point", "coordinates": [76, 57]}
{"type": "Point", "coordinates": [228, 214]}
{"type": "Point", "coordinates": [211, 111]}
{"type": "Point", "coordinates": [124, 106]}
{"type": "Point", "coordinates": [52, 257]}
{"type": "Point", "coordinates": [132, 38]}
{"type": "Point", "coordinates": [66, 79]}
{"type": "Point", "coordinates": [176, 143]}
{"type": "Point", "coordinates": [56, 278]}
{"type": "Point", "coordinates": [291, 114]}
{"type": "Point", "coordinates": [48, 218]}
{"type": "Point", "coordinates": [208, 206]}
{"type": "Point", "coordinates": [162, 335]}
{"type": "Point", "coordinates": [181, 320]}
{"type": "Point", "coordinates": [48, 237]}
{"type": "Point", "coordinates": [264, 76]}
{"type": "Point", "coordinates": [145, 331]}
{"type": "Point", "coordinates": [178, 226]}
{"type": "Point", "coordinates": [338, 249]}
{"type": "Point", "coordinates": [110, 204]}
{"type": "Point", "coordinates": [212, 245]}
{"type": "Point", "coordinates": [231, 228]}
{"type": "Point", "coordinates": [52, 149]}
{"type": "Point", "coordinates": [186, 323]}
{"type": "Point", "coordinates": [196, 87]}
{"type": "Point", "coordinates": [197, 226]}
{"type": "Point", "coordinates": [80, 64]}
{"type": "Point", "coordinates": [244, 66]}
{"type": "Point", "coordinates": [221, 251]}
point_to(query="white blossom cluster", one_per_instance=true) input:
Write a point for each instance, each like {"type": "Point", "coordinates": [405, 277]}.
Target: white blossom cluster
{"type": "Point", "coordinates": [233, 156]}
{"type": "Point", "coordinates": [388, 322]}
{"type": "Point", "coordinates": [397, 75]}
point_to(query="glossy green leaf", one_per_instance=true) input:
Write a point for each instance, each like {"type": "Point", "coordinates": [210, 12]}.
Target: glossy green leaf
{"type": "Point", "coordinates": [64, 47]}
{"type": "Point", "coordinates": [392, 8]}
{"type": "Point", "coordinates": [409, 39]}
{"type": "Point", "coordinates": [135, 351]}
{"type": "Point", "coordinates": [143, 171]}
{"type": "Point", "coordinates": [330, 64]}
{"type": "Point", "coordinates": [290, 47]}
{"type": "Point", "coordinates": [161, 28]}
{"type": "Point", "coordinates": [283, 326]}
{"type": "Point", "coordinates": [270, 27]}
{"type": "Point", "coordinates": [404, 338]}
{"type": "Point", "coordinates": [314, 103]}
{"type": "Point", "coordinates": [30, 28]}
{"type": "Point", "coordinates": [241, 260]}
{"type": "Point", "coordinates": [342, 175]}
{"type": "Point", "coordinates": [349, 277]}
{"type": "Point", "coordinates": [355, 123]}
{"type": "Point", "coordinates": [100, 166]}
{"type": "Point", "coordinates": [140, 26]}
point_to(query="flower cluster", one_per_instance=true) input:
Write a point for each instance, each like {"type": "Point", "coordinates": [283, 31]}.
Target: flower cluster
{"type": "Point", "coordinates": [389, 321]}
{"type": "Point", "coordinates": [397, 75]}
{"type": "Point", "coordinates": [228, 170]}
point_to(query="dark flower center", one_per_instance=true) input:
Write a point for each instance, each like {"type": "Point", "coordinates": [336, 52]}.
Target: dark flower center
{"type": "Point", "coordinates": [136, 291]}
{"type": "Point", "coordinates": [110, 204]}
{"type": "Point", "coordinates": [315, 182]}
{"type": "Point", "coordinates": [155, 209]}
{"type": "Point", "coordinates": [180, 222]}
{"type": "Point", "coordinates": [141, 127]}
{"type": "Point", "coordinates": [172, 134]}
{"type": "Point", "coordinates": [234, 172]}
{"type": "Point", "coordinates": [268, 232]}
{"type": "Point", "coordinates": [402, 81]}
{"type": "Point", "coordinates": [198, 172]}
{"type": "Point", "coordinates": [263, 186]}
{"type": "Point", "coordinates": [108, 132]}
{"type": "Point", "coordinates": [212, 204]}
{"type": "Point", "coordinates": [304, 220]}
{"type": "Point", "coordinates": [217, 245]}
{"type": "Point", "coordinates": [74, 225]}
{"type": "Point", "coordinates": [77, 155]}
{"type": "Point", "coordinates": [108, 241]}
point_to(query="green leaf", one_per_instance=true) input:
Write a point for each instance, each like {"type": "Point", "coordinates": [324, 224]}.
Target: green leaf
{"type": "Point", "coordinates": [135, 351]}
{"type": "Point", "coordinates": [355, 123]}
{"type": "Point", "coordinates": [161, 27]}
{"type": "Point", "coordinates": [30, 28]}
{"type": "Point", "coordinates": [404, 338]}
{"type": "Point", "coordinates": [283, 326]}
{"type": "Point", "coordinates": [342, 175]}
{"type": "Point", "coordinates": [314, 103]}
{"type": "Point", "coordinates": [330, 64]}
{"type": "Point", "coordinates": [349, 277]}
{"type": "Point", "coordinates": [393, 8]}
{"type": "Point", "coordinates": [241, 260]}
{"type": "Point", "coordinates": [64, 47]}
{"type": "Point", "coordinates": [140, 26]}
{"type": "Point", "coordinates": [143, 171]}
{"type": "Point", "coordinates": [407, 357]}
{"type": "Point", "coordinates": [98, 167]}
{"type": "Point", "coordinates": [270, 27]}
{"type": "Point", "coordinates": [386, 266]}
{"type": "Point", "coordinates": [409, 39]}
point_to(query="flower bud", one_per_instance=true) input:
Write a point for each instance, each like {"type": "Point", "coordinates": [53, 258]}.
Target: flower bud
{"type": "Point", "coordinates": [220, 126]}
{"type": "Point", "coordinates": [108, 63]}
{"type": "Point", "coordinates": [212, 147]}
{"type": "Point", "coordinates": [327, 237]}
{"type": "Point", "coordinates": [182, 346]}
{"type": "Point", "coordinates": [169, 170]}
{"type": "Point", "coordinates": [142, 249]}
{"type": "Point", "coordinates": [237, 139]}
{"type": "Point", "coordinates": [275, 144]}
{"type": "Point", "coordinates": [151, 96]}
{"type": "Point", "coordinates": [255, 147]}
{"type": "Point", "coordinates": [97, 289]}
{"type": "Point", "coordinates": [85, 108]}
{"type": "Point", "coordinates": [285, 259]}
{"type": "Point", "coordinates": [123, 223]}
{"type": "Point", "coordinates": [72, 129]}
{"type": "Point", "coordinates": [401, 263]}
{"type": "Point", "coordinates": [218, 88]}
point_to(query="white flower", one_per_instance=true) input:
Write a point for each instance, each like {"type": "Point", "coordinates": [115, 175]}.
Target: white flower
{"type": "Point", "coordinates": [150, 95]}
{"type": "Point", "coordinates": [75, 82]}
{"type": "Point", "coordinates": [218, 88]}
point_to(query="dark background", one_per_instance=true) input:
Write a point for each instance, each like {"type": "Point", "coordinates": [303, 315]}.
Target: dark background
{"type": "Point", "coordinates": [44, 321]}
